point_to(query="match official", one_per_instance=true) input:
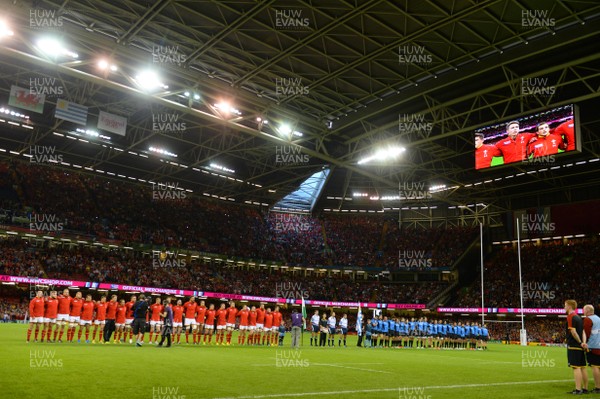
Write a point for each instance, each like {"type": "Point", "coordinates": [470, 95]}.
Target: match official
{"type": "Point", "coordinates": [575, 354]}
{"type": "Point", "coordinates": [591, 342]}
{"type": "Point", "coordinates": [140, 308]}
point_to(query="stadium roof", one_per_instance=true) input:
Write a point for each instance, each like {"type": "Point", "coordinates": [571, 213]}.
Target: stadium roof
{"type": "Point", "coordinates": [341, 74]}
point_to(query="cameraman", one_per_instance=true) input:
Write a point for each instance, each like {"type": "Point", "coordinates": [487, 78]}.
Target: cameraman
{"type": "Point", "coordinates": [140, 308]}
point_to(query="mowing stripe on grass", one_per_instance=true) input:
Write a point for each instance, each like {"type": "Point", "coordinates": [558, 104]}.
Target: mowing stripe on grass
{"type": "Point", "coordinates": [300, 394]}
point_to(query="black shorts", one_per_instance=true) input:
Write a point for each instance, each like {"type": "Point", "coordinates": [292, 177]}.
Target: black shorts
{"type": "Point", "coordinates": [315, 329]}
{"type": "Point", "coordinates": [138, 325]}
{"type": "Point", "coordinates": [593, 359]}
{"type": "Point", "coordinates": [576, 357]}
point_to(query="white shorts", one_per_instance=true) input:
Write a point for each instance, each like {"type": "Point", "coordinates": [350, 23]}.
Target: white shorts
{"type": "Point", "coordinates": [244, 328]}
{"type": "Point", "coordinates": [274, 329]}
{"type": "Point", "coordinates": [62, 316]}
{"type": "Point", "coordinates": [155, 323]}
{"type": "Point", "coordinates": [190, 322]}
{"type": "Point", "coordinates": [230, 325]}
{"type": "Point", "coordinates": [209, 327]}
{"type": "Point", "coordinates": [177, 324]}
{"type": "Point", "coordinates": [119, 325]}
{"type": "Point", "coordinates": [99, 322]}
{"type": "Point", "coordinates": [74, 319]}
{"type": "Point", "coordinates": [128, 322]}
{"type": "Point", "coordinates": [259, 326]}
{"type": "Point", "coordinates": [221, 327]}
{"type": "Point", "coordinates": [251, 328]}
{"type": "Point", "coordinates": [85, 322]}
{"type": "Point", "coordinates": [36, 319]}
{"type": "Point", "coordinates": [47, 320]}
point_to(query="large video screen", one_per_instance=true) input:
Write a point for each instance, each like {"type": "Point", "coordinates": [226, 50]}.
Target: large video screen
{"type": "Point", "coordinates": [531, 138]}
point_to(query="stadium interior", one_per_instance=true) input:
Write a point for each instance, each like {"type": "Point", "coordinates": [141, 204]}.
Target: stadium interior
{"type": "Point", "coordinates": [263, 149]}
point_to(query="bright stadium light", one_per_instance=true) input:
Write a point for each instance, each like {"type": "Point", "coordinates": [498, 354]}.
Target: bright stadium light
{"type": "Point", "coordinates": [55, 48]}
{"type": "Point", "coordinates": [225, 108]}
{"type": "Point", "coordinates": [148, 80]}
{"type": "Point", "coordinates": [5, 30]}
{"type": "Point", "coordinates": [106, 66]}
{"type": "Point", "coordinates": [162, 151]}
{"type": "Point", "coordinates": [384, 154]}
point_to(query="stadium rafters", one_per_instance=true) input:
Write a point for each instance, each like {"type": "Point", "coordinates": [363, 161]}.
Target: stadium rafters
{"type": "Point", "coordinates": [335, 72]}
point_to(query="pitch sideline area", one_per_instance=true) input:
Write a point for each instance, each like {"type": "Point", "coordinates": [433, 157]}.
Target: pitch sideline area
{"type": "Point", "coordinates": [37, 370]}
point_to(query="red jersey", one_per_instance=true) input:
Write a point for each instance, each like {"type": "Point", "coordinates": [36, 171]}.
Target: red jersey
{"type": "Point", "coordinates": [36, 307]}
{"type": "Point", "coordinates": [268, 320]}
{"type": "Point", "coordinates": [64, 304]}
{"type": "Point", "coordinates": [76, 305]}
{"type": "Point", "coordinates": [201, 313]}
{"type": "Point", "coordinates": [221, 317]}
{"type": "Point", "coordinates": [88, 310]}
{"type": "Point", "coordinates": [51, 308]}
{"type": "Point", "coordinates": [129, 312]}
{"type": "Point", "coordinates": [156, 309]}
{"type": "Point", "coordinates": [548, 145]}
{"type": "Point", "coordinates": [231, 313]}
{"type": "Point", "coordinates": [120, 314]}
{"type": "Point", "coordinates": [277, 319]}
{"type": "Point", "coordinates": [484, 155]}
{"type": "Point", "coordinates": [101, 308]}
{"type": "Point", "coordinates": [566, 130]}
{"type": "Point", "coordinates": [210, 317]}
{"type": "Point", "coordinates": [244, 314]}
{"type": "Point", "coordinates": [253, 318]}
{"type": "Point", "coordinates": [190, 309]}
{"type": "Point", "coordinates": [514, 150]}
{"type": "Point", "coordinates": [177, 314]}
{"type": "Point", "coordinates": [260, 318]}
{"type": "Point", "coordinates": [111, 310]}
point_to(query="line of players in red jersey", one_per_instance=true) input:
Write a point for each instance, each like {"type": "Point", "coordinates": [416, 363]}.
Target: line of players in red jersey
{"type": "Point", "coordinates": [257, 326]}
{"type": "Point", "coordinates": [50, 315]}
{"type": "Point", "coordinates": [517, 147]}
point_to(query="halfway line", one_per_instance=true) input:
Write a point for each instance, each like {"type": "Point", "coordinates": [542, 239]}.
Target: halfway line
{"type": "Point", "coordinates": [300, 394]}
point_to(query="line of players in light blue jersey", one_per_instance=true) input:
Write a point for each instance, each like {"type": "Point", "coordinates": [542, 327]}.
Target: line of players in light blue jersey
{"type": "Point", "coordinates": [382, 331]}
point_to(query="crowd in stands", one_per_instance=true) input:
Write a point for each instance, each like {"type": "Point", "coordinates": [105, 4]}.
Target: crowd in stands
{"type": "Point", "coordinates": [96, 264]}
{"type": "Point", "coordinates": [547, 330]}
{"type": "Point", "coordinates": [108, 209]}
{"type": "Point", "coordinates": [552, 272]}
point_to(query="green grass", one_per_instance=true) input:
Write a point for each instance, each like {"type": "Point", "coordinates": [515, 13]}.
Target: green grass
{"type": "Point", "coordinates": [124, 371]}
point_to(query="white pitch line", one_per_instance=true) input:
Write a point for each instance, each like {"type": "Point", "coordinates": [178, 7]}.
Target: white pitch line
{"type": "Point", "coordinates": [352, 368]}
{"type": "Point", "coordinates": [300, 394]}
